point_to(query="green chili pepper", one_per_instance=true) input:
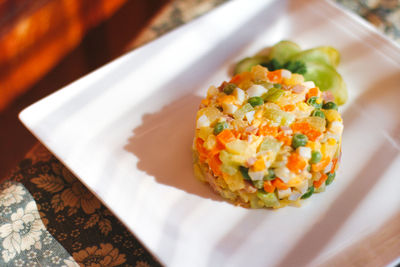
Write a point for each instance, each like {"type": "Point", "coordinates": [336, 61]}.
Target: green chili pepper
{"type": "Point", "coordinates": [245, 172]}
{"type": "Point", "coordinates": [270, 176]}
{"type": "Point", "coordinates": [220, 126]}
{"type": "Point", "coordinates": [312, 101]}
{"type": "Point", "coordinates": [318, 113]}
{"type": "Point", "coordinates": [255, 101]}
{"type": "Point", "coordinates": [330, 105]}
{"type": "Point", "coordinates": [331, 177]}
{"type": "Point", "coordinates": [309, 192]}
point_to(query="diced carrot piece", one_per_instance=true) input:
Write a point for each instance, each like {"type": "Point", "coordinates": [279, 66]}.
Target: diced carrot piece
{"type": "Point", "coordinates": [296, 163]}
{"type": "Point", "coordinates": [268, 130]}
{"type": "Point", "coordinates": [321, 180]}
{"type": "Point", "coordinates": [278, 183]}
{"type": "Point", "coordinates": [289, 107]}
{"type": "Point", "coordinates": [226, 136]}
{"type": "Point", "coordinates": [237, 134]}
{"type": "Point", "coordinates": [305, 128]}
{"type": "Point", "coordinates": [313, 134]}
{"type": "Point", "coordinates": [216, 149]}
{"type": "Point", "coordinates": [320, 166]}
{"type": "Point", "coordinates": [215, 164]}
{"type": "Point", "coordinates": [238, 78]}
{"type": "Point", "coordinates": [275, 76]}
{"type": "Point", "coordinates": [201, 149]}
{"type": "Point", "coordinates": [286, 140]}
{"type": "Point", "coordinates": [312, 92]}
{"type": "Point", "coordinates": [268, 187]}
{"type": "Point", "coordinates": [205, 102]}
{"type": "Point", "coordinates": [334, 163]}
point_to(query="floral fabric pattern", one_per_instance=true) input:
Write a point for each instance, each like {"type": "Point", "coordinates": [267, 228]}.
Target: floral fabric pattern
{"type": "Point", "coordinates": [23, 235]}
{"type": "Point", "coordinates": [43, 207]}
{"type": "Point", "coordinates": [49, 218]}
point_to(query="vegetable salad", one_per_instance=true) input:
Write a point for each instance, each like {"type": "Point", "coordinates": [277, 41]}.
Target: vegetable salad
{"type": "Point", "coordinates": [267, 138]}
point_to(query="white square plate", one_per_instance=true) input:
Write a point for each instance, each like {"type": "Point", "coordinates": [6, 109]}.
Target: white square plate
{"type": "Point", "coordinates": [126, 131]}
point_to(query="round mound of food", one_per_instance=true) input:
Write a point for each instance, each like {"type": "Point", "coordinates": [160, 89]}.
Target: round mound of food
{"type": "Point", "coordinates": [267, 138]}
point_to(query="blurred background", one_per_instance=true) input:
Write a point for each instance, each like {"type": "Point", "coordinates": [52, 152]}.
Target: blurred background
{"type": "Point", "coordinates": [47, 44]}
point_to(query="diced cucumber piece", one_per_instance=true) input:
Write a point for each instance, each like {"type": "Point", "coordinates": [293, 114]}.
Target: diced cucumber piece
{"type": "Point", "coordinates": [283, 50]}
{"type": "Point", "coordinates": [316, 122]}
{"type": "Point", "coordinates": [322, 55]}
{"type": "Point", "coordinates": [320, 189]}
{"type": "Point", "coordinates": [245, 172]}
{"type": "Point", "coordinates": [247, 63]}
{"type": "Point", "coordinates": [241, 112]}
{"type": "Point", "coordinates": [273, 94]}
{"type": "Point", "coordinates": [228, 168]}
{"type": "Point", "coordinates": [258, 184]}
{"type": "Point", "coordinates": [256, 203]}
{"type": "Point", "coordinates": [281, 117]}
{"type": "Point", "coordinates": [327, 79]}
{"type": "Point", "coordinates": [270, 200]}
{"type": "Point", "coordinates": [270, 143]}
{"type": "Point", "coordinates": [231, 159]}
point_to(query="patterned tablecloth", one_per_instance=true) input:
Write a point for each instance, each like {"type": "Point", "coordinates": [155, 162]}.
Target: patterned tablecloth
{"type": "Point", "coordinates": [48, 218]}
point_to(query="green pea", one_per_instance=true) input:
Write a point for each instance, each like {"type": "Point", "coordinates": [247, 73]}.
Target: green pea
{"type": "Point", "coordinates": [312, 101]}
{"type": "Point", "coordinates": [315, 157]}
{"type": "Point", "coordinates": [270, 176]}
{"type": "Point", "coordinates": [330, 105]}
{"type": "Point", "coordinates": [245, 172]}
{"type": "Point", "coordinates": [309, 192]}
{"type": "Point", "coordinates": [331, 177]}
{"type": "Point", "coordinates": [228, 88]}
{"type": "Point", "coordinates": [278, 85]}
{"type": "Point", "coordinates": [299, 140]}
{"type": "Point", "coordinates": [258, 184]}
{"type": "Point", "coordinates": [318, 113]}
{"type": "Point", "coordinates": [220, 126]}
{"type": "Point", "coordinates": [255, 101]}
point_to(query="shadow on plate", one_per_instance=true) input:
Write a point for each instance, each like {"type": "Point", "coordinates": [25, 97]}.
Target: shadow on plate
{"type": "Point", "coordinates": [379, 248]}
{"type": "Point", "coordinates": [163, 146]}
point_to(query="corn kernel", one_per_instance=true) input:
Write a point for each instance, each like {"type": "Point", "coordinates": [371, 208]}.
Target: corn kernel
{"type": "Point", "coordinates": [205, 102]}
{"type": "Point", "coordinates": [256, 123]}
{"type": "Point", "coordinates": [314, 145]}
{"type": "Point", "coordinates": [226, 99]}
{"type": "Point", "coordinates": [303, 106]}
{"type": "Point", "coordinates": [210, 142]}
{"type": "Point", "coordinates": [258, 114]}
{"type": "Point", "coordinates": [259, 165]}
{"type": "Point", "coordinates": [332, 115]}
{"type": "Point", "coordinates": [294, 182]}
{"type": "Point", "coordinates": [331, 141]}
{"type": "Point", "coordinates": [294, 79]}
